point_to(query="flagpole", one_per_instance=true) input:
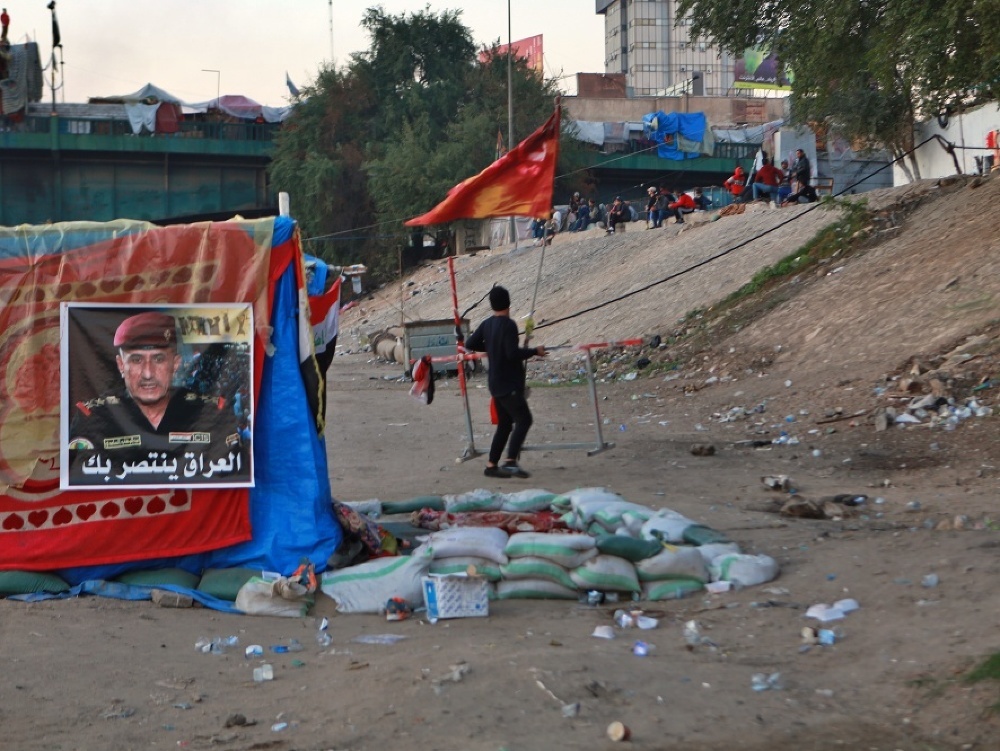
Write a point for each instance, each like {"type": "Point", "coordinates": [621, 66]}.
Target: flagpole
{"type": "Point", "coordinates": [510, 109]}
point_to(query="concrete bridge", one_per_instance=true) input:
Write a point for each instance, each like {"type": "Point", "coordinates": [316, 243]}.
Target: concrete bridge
{"type": "Point", "coordinates": [59, 168]}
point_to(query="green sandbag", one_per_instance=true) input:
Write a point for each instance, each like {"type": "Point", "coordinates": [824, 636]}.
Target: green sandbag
{"type": "Point", "coordinates": [698, 534]}
{"type": "Point", "coordinates": [225, 583]}
{"type": "Point", "coordinates": [628, 547]}
{"type": "Point", "coordinates": [160, 576]}
{"type": "Point", "coordinates": [433, 502]}
{"type": "Point", "coordinates": [27, 582]}
{"type": "Point", "coordinates": [673, 589]}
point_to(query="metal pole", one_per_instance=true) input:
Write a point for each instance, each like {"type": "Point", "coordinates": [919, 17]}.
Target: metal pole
{"type": "Point", "coordinates": [510, 109]}
{"type": "Point", "coordinates": [218, 83]}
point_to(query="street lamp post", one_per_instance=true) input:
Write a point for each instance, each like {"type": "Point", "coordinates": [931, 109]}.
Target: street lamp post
{"type": "Point", "coordinates": [218, 83]}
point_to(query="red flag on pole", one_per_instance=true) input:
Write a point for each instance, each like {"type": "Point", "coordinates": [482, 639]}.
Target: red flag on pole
{"type": "Point", "coordinates": [517, 184]}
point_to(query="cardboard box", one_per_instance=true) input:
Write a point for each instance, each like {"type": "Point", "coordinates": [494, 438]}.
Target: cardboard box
{"type": "Point", "coordinates": [456, 596]}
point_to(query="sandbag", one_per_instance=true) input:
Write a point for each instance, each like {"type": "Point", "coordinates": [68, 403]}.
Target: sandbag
{"type": "Point", "coordinates": [157, 577]}
{"type": "Point", "coordinates": [627, 547]}
{"type": "Point", "coordinates": [606, 573]}
{"type": "Point", "coordinates": [483, 542]}
{"type": "Point", "coordinates": [367, 587]}
{"type": "Point", "coordinates": [744, 570]}
{"type": "Point", "coordinates": [673, 563]}
{"type": "Point", "coordinates": [713, 550]}
{"type": "Point", "coordinates": [281, 597]}
{"type": "Point", "coordinates": [699, 534]}
{"type": "Point", "coordinates": [489, 570]}
{"type": "Point", "coordinates": [433, 502]}
{"type": "Point", "coordinates": [667, 526]}
{"type": "Point", "coordinates": [534, 589]}
{"type": "Point", "coordinates": [526, 501]}
{"type": "Point", "coordinates": [569, 551]}
{"type": "Point", "coordinates": [474, 500]}
{"type": "Point", "coordinates": [372, 507]}
{"type": "Point", "coordinates": [29, 582]}
{"type": "Point", "coordinates": [670, 589]}
{"type": "Point", "coordinates": [530, 567]}
{"type": "Point", "coordinates": [612, 516]}
{"type": "Point", "coordinates": [225, 583]}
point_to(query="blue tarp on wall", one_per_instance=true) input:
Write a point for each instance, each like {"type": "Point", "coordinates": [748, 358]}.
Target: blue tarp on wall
{"type": "Point", "coordinates": [679, 134]}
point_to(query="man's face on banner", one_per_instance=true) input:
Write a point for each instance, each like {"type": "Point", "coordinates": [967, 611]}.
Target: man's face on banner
{"type": "Point", "coordinates": [148, 373]}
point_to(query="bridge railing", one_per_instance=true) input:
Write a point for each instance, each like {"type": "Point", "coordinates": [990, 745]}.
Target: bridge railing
{"type": "Point", "coordinates": [238, 131]}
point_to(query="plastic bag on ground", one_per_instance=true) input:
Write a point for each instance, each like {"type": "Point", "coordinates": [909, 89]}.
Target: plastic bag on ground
{"type": "Point", "coordinates": [281, 596]}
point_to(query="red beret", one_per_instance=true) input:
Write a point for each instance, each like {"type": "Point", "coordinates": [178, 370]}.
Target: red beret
{"type": "Point", "coordinates": [147, 330]}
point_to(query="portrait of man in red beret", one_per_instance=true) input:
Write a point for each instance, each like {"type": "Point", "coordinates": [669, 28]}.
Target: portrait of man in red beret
{"type": "Point", "coordinates": [143, 424]}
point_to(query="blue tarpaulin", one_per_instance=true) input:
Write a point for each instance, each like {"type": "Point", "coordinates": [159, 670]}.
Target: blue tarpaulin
{"type": "Point", "coordinates": [676, 133]}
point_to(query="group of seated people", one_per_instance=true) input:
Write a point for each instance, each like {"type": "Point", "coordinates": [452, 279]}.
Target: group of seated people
{"type": "Point", "coordinates": [784, 186]}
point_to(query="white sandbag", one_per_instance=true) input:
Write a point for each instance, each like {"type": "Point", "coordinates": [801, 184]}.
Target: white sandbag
{"type": "Point", "coordinates": [632, 522]}
{"type": "Point", "coordinates": [474, 500]}
{"type": "Point", "coordinates": [489, 570]}
{"type": "Point", "coordinates": [673, 563]}
{"type": "Point", "coordinates": [606, 573]}
{"type": "Point", "coordinates": [586, 495]}
{"type": "Point", "coordinates": [612, 516]}
{"type": "Point", "coordinates": [670, 589]}
{"type": "Point", "coordinates": [526, 501]}
{"type": "Point", "coordinates": [744, 570]}
{"type": "Point", "coordinates": [713, 550]}
{"type": "Point", "coordinates": [667, 526]}
{"type": "Point", "coordinates": [483, 542]}
{"type": "Point", "coordinates": [530, 567]}
{"type": "Point", "coordinates": [280, 596]}
{"type": "Point", "coordinates": [534, 589]}
{"type": "Point", "coordinates": [367, 587]}
{"type": "Point", "coordinates": [569, 551]}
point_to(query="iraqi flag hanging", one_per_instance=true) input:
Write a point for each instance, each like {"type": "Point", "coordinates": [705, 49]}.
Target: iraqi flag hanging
{"type": "Point", "coordinates": [517, 184]}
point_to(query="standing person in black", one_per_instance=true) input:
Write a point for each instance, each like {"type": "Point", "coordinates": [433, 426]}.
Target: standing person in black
{"type": "Point", "coordinates": [497, 337]}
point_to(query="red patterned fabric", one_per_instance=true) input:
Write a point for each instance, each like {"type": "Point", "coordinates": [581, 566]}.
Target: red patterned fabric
{"type": "Point", "coordinates": [42, 527]}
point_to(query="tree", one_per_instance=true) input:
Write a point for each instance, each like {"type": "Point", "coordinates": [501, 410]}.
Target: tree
{"type": "Point", "coordinates": [385, 138]}
{"type": "Point", "coordinates": [872, 67]}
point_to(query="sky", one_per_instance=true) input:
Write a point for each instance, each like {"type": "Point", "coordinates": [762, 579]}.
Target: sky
{"type": "Point", "coordinates": [113, 47]}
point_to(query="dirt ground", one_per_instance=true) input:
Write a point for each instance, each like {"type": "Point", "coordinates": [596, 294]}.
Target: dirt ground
{"type": "Point", "coordinates": [842, 341]}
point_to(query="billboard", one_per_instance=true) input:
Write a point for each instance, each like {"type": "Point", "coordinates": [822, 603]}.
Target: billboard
{"type": "Point", "coordinates": [529, 49]}
{"type": "Point", "coordinates": [758, 68]}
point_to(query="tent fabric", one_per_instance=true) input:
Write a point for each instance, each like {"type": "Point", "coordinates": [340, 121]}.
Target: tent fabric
{"type": "Point", "coordinates": [141, 116]}
{"type": "Point", "coordinates": [120, 591]}
{"type": "Point", "coordinates": [233, 105]}
{"type": "Point", "coordinates": [147, 92]}
{"type": "Point", "coordinates": [286, 517]}
{"type": "Point", "coordinates": [668, 130]}
{"type": "Point", "coordinates": [241, 107]}
{"type": "Point", "coordinates": [23, 83]}
{"type": "Point", "coordinates": [589, 131]}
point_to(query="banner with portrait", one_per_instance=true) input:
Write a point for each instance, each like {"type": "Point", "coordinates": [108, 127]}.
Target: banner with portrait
{"type": "Point", "coordinates": [156, 397]}
{"type": "Point", "coordinates": [107, 266]}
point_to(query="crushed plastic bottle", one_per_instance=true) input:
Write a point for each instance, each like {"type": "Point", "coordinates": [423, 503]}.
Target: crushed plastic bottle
{"type": "Point", "coordinates": [765, 682]}
{"type": "Point", "coordinates": [217, 646]}
{"type": "Point", "coordinates": [323, 637]}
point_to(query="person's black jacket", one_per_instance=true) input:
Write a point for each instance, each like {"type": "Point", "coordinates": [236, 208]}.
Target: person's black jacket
{"type": "Point", "coordinates": [497, 337]}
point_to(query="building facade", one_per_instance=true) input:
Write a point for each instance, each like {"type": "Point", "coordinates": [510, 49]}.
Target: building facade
{"type": "Point", "coordinates": [647, 42]}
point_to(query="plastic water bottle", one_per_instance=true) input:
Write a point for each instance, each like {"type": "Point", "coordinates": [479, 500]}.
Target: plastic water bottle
{"type": "Point", "coordinates": [323, 637]}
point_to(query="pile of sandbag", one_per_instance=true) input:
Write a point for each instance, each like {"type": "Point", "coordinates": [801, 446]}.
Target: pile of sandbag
{"type": "Point", "coordinates": [613, 546]}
